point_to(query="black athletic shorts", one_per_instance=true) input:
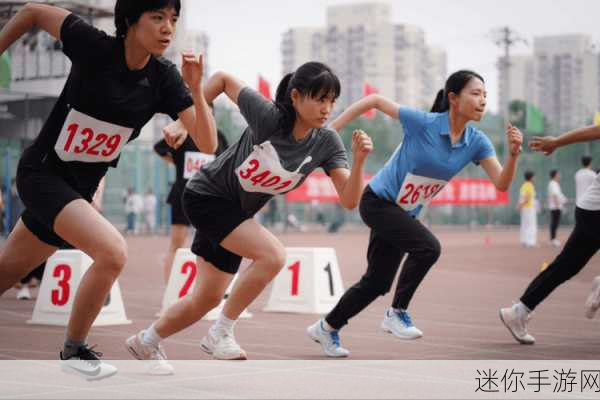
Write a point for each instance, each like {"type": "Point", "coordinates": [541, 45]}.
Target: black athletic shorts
{"type": "Point", "coordinates": [214, 219]}
{"type": "Point", "coordinates": [44, 194]}
{"type": "Point", "coordinates": [178, 216]}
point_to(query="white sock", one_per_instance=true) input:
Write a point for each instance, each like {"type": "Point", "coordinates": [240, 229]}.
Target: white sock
{"type": "Point", "coordinates": [223, 325]}
{"type": "Point", "coordinates": [522, 308]}
{"type": "Point", "coordinates": [150, 337]}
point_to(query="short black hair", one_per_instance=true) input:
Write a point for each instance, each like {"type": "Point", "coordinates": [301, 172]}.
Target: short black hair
{"type": "Point", "coordinates": [586, 161]}
{"type": "Point", "coordinates": [553, 173]}
{"type": "Point", "coordinates": [128, 12]}
{"type": "Point", "coordinates": [529, 175]}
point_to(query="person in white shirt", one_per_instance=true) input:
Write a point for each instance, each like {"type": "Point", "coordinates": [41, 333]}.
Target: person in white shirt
{"type": "Point", "coordinates": [584, 177]}
{"type": "Point", "coordinates": [583, 243]}
{"type": "Point", "coordinates": [149, 211]}
{"type": "Point", "coordinates": [556, 201]}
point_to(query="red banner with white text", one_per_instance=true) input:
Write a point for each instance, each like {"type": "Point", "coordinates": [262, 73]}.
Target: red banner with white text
{"type": "Point", "coordinates": [458, 192]}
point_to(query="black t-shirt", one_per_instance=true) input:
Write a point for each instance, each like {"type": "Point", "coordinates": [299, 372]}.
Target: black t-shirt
{"type": "Point", "coordinates": [180, 156]}
{"type": "Point", "coordinates": [103, 106]}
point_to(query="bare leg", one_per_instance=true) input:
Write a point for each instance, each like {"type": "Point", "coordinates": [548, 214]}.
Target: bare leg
{"type": "Point", "coordinates": [211, 284]}
{"type": "Point", "coordinates": [252, 240]}
{"type": "Point", "coordinates": [82, 226]}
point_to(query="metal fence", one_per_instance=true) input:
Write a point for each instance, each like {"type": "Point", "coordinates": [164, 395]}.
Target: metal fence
{"type": "Point", "coordinates": [141, 169]}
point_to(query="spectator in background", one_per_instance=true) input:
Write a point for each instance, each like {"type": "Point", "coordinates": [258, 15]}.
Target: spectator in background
{"type": "Point", "coordinates": [138, 209]}
{"type": "Point", "coordinates": [340, 219]}
{"type": "Point", "coordinates": [528, 211]}
{"type": "Point", "coordinates": [556, 201]}
{"type": "Point", "coordinates": [130, 207]}
{"type": "Point", "coordinates": [584, 177]}
{"type": "Point", "coordinates": [270, 216]}
{"type": "Point", "coordinates": [149, 211]}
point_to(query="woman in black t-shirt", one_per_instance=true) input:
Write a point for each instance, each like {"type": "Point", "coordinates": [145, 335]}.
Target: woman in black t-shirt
{"type": "Point", "coordinates": [115, 86]}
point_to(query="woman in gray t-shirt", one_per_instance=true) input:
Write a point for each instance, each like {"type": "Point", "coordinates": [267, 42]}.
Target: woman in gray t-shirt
{"type": "Point", "coordinates": [284, 142]}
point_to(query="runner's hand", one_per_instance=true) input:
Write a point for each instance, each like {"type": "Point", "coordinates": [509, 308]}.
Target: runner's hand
{"type": "Point", "coordinates": [544, 144]}
{"type": "Point", "coordinates": [175, 134]}
{"type": "Point", "coordinates": [361, 145]}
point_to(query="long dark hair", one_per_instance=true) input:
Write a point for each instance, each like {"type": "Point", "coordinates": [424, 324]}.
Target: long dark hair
{"type": "Point", "coordinates": [128, 12]}
{"type": "Point", "coordinates": [455, 84]}
{"type": "Point", "coordinates": [312, 79]}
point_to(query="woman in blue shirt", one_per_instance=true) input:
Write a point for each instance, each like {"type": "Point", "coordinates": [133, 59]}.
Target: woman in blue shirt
{"type": "Point", "coordinates": [436, 146]}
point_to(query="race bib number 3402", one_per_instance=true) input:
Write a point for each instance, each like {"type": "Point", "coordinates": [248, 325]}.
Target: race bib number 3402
{"type": "Point", "coordinates": [86, 139]}
{"type": "Point", "coordinates": [418, 191]}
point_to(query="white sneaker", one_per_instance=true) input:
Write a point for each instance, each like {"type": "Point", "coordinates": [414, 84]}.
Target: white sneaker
{"type": "Point", "coordinates": [24, 294]}
{"type": "Point", "coordinates": [515, 318]}
{"type": "Point", "coordinates": [329, 340]}
{"type": "Point", "coordinates": [400, 325]}
{"type": "Point", "coordinates": [555, 243]}
{"type": "Point", "coordinates": [222, 346]}
{"type": "Point", "coordinates": [87, 365]}
{"type": "Point", "coordinates": [593, 301]}
{"type": "Point", "coordinates": [158, 364]}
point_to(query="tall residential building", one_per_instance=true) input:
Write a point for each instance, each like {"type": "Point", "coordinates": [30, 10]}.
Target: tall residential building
{"type": "Point", "coordinates": [567, 79]}
{"type": "Point", "coordinates": [363, 45]}
{"type": "Point", "coordinates": [520, 82]}
{"type": "Point", "coordinates": [561, 78]}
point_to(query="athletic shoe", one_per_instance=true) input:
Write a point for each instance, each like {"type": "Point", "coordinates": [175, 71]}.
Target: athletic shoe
{"type": "Point", "coordinates": [222, 346]}
{"type": "Point", "coordinates": [399, 324]}
{"type": "Point", "coordinates": [515, 318]}
{"type": "Point", "coordinates": [593, 301]}
{"type": "Point", "coordinates": [555, 243]}
{"type": "Point", "coordinates": [24, 294]}
{"type": "Point", "coordinates": [87, 364]}
{"type": "Point", "coordinates": [158, 364]}
{"type": "Point", "coordinates": [329, 340]}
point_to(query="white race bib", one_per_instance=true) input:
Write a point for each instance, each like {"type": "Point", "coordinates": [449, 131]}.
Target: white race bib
{"type": "Point", "coordinates": [194, 160]}
{"type": "Point", "coordinates": [86, 139]}
{"type": "Point", "coordinates": [418, 190]}
{"type": "Point", "coordinates": [262, 172]}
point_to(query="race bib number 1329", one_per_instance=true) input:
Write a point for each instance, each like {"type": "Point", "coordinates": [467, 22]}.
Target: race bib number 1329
{"type": "Point", "coordinates": [86, 139]}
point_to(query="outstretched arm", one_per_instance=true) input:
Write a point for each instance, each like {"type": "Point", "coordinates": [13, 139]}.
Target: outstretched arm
{"type": "Point", "coordinates": [45, 17]}
{"type": "Point", "coordinates": [362, 106]}
{"type": "Point", "coordinates": [547, 144]}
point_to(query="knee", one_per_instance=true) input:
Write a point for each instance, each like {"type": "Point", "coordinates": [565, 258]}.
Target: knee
{"type": "Point", "coordinates": [113, 257]}
{"type": "Point", "coordinates": [433, 250]}
{"type": "Point", "coordinates": [374, 287]}
{"type": "Point", "coordinates": [274, 260]}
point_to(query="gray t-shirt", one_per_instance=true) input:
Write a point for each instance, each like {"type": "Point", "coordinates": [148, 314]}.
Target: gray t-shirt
{"type": "Point", "coordinates": [267, 160]}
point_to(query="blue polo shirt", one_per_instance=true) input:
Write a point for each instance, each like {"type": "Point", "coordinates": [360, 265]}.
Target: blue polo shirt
{"type": "Point", "coordinates": [426, 159]}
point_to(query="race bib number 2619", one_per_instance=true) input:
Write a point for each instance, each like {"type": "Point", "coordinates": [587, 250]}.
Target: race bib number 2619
{"type": "Point", "coordinates": [418, 191]}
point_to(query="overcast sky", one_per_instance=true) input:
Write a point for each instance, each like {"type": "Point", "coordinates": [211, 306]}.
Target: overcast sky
{"type": "Point", "coordinates": [245, 35]}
